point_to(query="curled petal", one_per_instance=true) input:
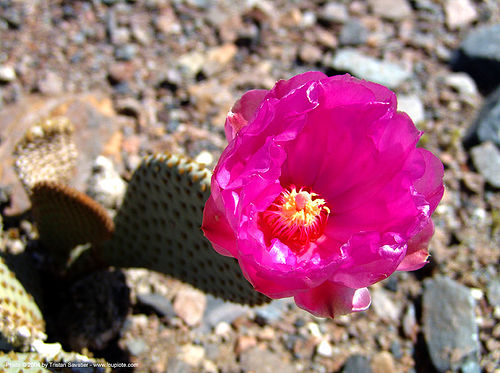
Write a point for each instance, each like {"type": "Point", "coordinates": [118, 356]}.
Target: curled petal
{"type": "Point", "coordinates": [243, 111]}
{"type": "Point", "coordinates": [430, 184]}
{"type": "Point", "coordinates": [345, 90]}
{"type": "Point", "coordinates": [417, 252]}
{"type": "Point", "coordinates": [279, 272]}
{"type": "Point", "coordinates": [331, 299]}
{"type": "Point", "coordinates": [370, 257]}
{"type": "Point", "coordinates": [284, 87]}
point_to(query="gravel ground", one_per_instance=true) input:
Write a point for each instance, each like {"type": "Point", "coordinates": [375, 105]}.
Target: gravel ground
{"type": "Point", "coordinates": [146, 76]}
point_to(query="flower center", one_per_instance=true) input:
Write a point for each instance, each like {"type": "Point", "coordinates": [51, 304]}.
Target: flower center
{"type": "Point", "coordinates": [295, 217]}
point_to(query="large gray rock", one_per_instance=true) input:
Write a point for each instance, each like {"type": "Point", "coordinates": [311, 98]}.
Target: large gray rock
{"type": "Point", "coordinates": [487, 125]}
{"type": "Point", "coordinates": [217, 310]}
{"type": "Point", "coordinates": [479, 55]}
{"type": "Point", "coordinates": [486, 159]}
{"type": "Point", "coordinates": [494, 292]}
{"type": "Point", "coordinates": [365, 67]}
{"type": "Point", "coordinates": [357, 364]}
{"type": "Point", "coordinates": [450, 327]}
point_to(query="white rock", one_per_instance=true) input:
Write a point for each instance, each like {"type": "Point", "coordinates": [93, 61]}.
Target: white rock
{"type": "Point", "coordinates": [324, 349]}
{"type": "Point", "coordinates": [308, 19]}
{"type": "Point", "coordinates": [191, 63]}
{"type": "Point", "coordinates": [7, 73]}
{"type": "Point", "coordinates": [391, 9]}
{"type": "Point", "coordinates": [459, 13]}
{"type": "Point", "coordinates": [48, 350]}
{"type": "Point", "coordinates": [462, 83]}
{"type": "Point", "coordinates": [105, 184]}
{"type": "Point", "coordinates": [192, 354]}
{"type": "Point", "coordinates": [314, 329]}
{"type": "Point", "coordinates": [334, 12]}
{"type": "Point", "coordinates": [204, 158]}
{"type": "Point", "coordinates": [476, 293]}
{"type": "Point", "coordinates": [222, 329]}
{"type": "Point", "coordinates": [209, 367]}
{"type": "Point", "coordinates": [413, 106]}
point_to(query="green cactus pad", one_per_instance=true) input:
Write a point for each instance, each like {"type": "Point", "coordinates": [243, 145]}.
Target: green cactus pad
{"type": "Point", "coordinates": [46, 152]}
{"type": "Point", "coordinates": [21, 321]}
{"type": "Point", "coordinates": [67, 218]}
{"type": "Point", "coordinates": [158, 227]}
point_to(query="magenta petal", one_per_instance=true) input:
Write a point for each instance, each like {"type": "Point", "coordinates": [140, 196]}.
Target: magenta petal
{"type": "Point", "coordinates": [279, 272]}
{"type": "Point", "coordinates": [371, 257]}
{"type": "Point", "coordinates": [345, 90]}
{"type": "Point", "coordinates": [430, 185]}
{"type": "Point", "coordinates": [330, 300]}
{"type": "Point", "coordinates": [417, 252]}
{"type": "Point", "coordinates": [217, 229]}
{"type": "Point", "coordinates": [243, 111]}
{"type": "Point", "coordinates": [283, 87]}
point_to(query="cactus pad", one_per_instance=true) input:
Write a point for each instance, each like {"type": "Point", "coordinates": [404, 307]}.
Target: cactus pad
{"type": "Point", "coordinates": [46, 152]}
{"type": "Point", "coordinates": [158, 227]}
{"type": "Point", "coordinates": [21, 321]}
{"type": "Point", "coordinates": [67, 218]}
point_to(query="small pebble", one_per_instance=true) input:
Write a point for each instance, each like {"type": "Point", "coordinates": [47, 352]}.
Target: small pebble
{"type": "Point", "coordinates": [222, 329]}
{"type": "Point", "coordinates": [384, 306]}
{"type": "Point", "coordinates": [192, 354]}
{"type": "Point", "coordinates": [393, 10]}
{"type": "Point", "coordinates": [324, 349]}
{"type": "Point", "coordinates": [334, 12]}
{"type": "Point", "coordinates": [189, 304]}
{"type": "Point", "coordinates": [459, 13]}
{"type": "Point", "coordinates": [314, 329]}
{"type": "Point", "coordinates": [205, 158]}
{"type": "Point", "coordinates": [462, 83]}
{"type": "Point", "coordinates": [7, 74]}
{"type": "Point", "coordinates": [136, 346]}
{"type": "Point", "coordinates": [105, 184]}
{"type": "Point", "coordinates": [383, 362]}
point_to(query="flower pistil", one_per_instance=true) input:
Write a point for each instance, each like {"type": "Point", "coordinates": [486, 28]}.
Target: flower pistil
{"type": "Point", "coordinates": [295, 217]}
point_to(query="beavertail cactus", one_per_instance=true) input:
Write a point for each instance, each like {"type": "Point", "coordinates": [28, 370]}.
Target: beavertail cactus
{"type": "Point", "coordinates": [158, 227]}
{"type": "Point", "coordinates": [47, 152]}
{"type": "Point", "coordinates": [67, 218]}
{"type": "Point", "coordinates": [21, 321]}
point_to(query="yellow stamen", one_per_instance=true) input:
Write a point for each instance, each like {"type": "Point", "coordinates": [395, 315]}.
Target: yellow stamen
{"type": "Point", "coordinates": [296, 217]}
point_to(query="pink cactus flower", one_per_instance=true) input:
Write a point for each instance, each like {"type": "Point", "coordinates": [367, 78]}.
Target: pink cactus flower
{"type": "Point", "coordinates": [322, 192]}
